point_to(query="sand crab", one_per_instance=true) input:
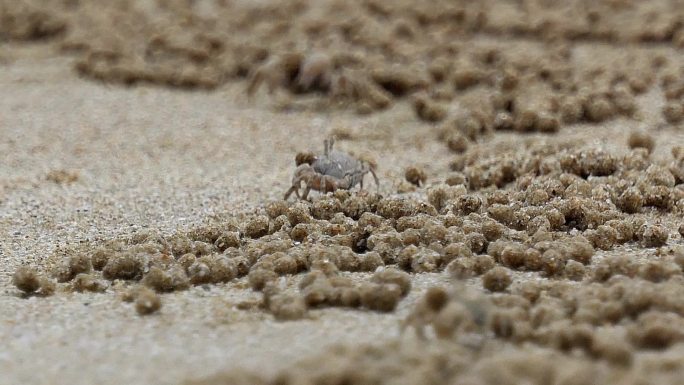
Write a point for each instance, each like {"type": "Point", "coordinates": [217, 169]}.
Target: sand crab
{"type": "Point", "coordinates": [294, 71]}
{"type": "Point", "coordinates": [329, 172]}
{"type": "Point", "coordinates": [337, 76]}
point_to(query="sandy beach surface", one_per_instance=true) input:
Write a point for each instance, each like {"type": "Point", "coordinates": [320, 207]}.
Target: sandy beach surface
{"type": "Point", "coordinates": [148, 158]}
{"type": "Point", "coordinates": [85, 161]}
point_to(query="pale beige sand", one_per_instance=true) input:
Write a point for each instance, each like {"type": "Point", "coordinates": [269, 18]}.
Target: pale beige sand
{"type": "Point", "coordinates": [160, 159]}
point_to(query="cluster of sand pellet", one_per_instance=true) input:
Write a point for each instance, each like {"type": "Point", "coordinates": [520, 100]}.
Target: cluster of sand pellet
{"type": "Point", "coordinates": [324, 286]}
{"type": "Point", "coordinates": [62, 176]}
{"type": "Point", "coordinates": [603, 21]}
{"type": "Point", "coordinates": [521, 335]}
{"type": "Point", "coordinates": [468, 362]}
{"type": "Point", "coordinates": [30, 282]}
{"type": "Point", "coordinates": [429, 54]}
{"type": "Point", "coordinates": [523, 228]}
{"type": "Point", "coordinates": [544, 211]}
{"type": "Point", "coordinates": [29, 21]}
{"type": "Point", "coordinates": [627, 307]}
{"type": "Point", "coordinates": [673, 89]}
{"type": "Point", "coordinates": [283, 241]}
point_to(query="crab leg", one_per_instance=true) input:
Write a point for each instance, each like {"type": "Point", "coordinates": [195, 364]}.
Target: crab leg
{"type": "Point", "coordinates": [327, 146]}
{"type": "Point", "coordinates": [377, 181]}
{"type": "Point", "coordinates": [306, 192]}
{"type": "Point", "coordinates": [289, 192]}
